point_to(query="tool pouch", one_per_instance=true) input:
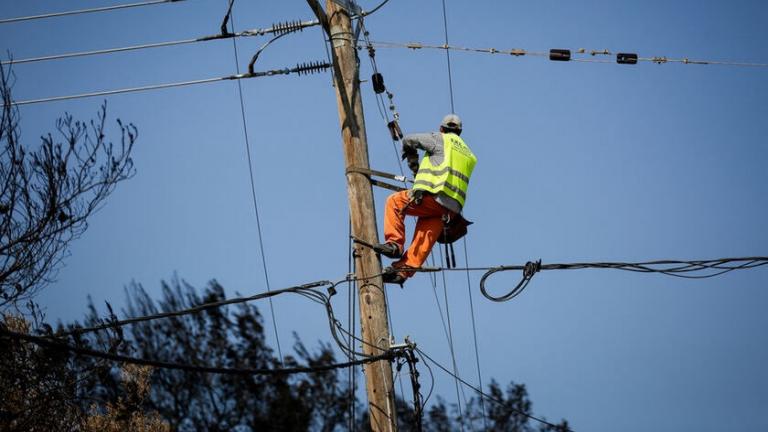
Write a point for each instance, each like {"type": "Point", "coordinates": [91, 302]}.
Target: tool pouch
{"type": "Point", "coordinates": [454, 228]}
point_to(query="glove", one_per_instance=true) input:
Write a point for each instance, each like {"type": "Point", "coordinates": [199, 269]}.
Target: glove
{"type": "Point", "coordinates": [415, 196]}
{"type": "Point", "coordinates": [413, 164]}
{"type": "Point", "coordinates": [407, 153]}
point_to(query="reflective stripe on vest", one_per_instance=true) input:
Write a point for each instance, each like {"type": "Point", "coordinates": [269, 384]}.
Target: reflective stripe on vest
{"type": "Point", "coordinates": [451, 177]}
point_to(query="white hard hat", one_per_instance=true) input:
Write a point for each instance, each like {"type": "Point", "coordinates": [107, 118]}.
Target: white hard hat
{"type": "Point", "coordinates": [451, 121]}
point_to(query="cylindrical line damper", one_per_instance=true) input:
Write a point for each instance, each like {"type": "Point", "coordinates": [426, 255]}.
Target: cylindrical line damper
{"type": "Point", "coordinates": [378, 83]}
{"type": "Point", "coordinates": [559, 54]}
{"type": "Point", "coordinates": [626, 58]}
{"type": "Point", "coordinates": [394, 130]}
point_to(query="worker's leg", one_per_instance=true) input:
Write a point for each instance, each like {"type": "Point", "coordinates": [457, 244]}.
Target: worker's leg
{"type": "Point", "coordinates": [428, 228]}
{"type": "Point", "coordinates": [394, 219]}
{"type": "Point", "coordinates": [427, 231]}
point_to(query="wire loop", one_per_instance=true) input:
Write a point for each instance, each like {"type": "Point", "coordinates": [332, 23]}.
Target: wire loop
{"type": "Point", "coordinates": [529, 269]}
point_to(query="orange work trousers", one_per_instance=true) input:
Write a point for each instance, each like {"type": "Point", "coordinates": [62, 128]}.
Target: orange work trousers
{"type": "Point", "coordinates": [429, 226]}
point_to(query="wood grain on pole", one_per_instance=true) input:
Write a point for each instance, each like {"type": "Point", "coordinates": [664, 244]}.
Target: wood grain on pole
{"type": "Point", "coordinates": [373, 308]}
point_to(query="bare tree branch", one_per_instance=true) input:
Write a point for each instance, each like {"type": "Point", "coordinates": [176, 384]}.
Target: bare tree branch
{"type": "Point", "coordinates": [48, 193]}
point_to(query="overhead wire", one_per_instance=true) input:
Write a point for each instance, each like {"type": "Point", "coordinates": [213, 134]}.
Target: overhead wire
{"type": "Point", "coordinates": [448, 56]}
{"type": "Point", "coordinates": [197, 308]}
{"type": "Point", "coordinates": [306, 290]}
{"type": "Point", "coordinates": [301, 69]}
{"type": "Point", "coordinates": [717, 266]}
{"type": "Point", "coordinates": [720, 265]}
{"type": "Point", "coordinates": [474, 335]}
{"type": "Point", "coordinates": [275, 28]}
{"type": "Point", "coordinates": [449, 70]}
{"type": "Point", "coordinates": [451, 347]}
{"type": "Point", "coordinates": [519, 52]}
{"type": "Point", "coordinates": [279, 28]}
{"type": "Point", "coordinates": [490, 397]}
{"type": "Point", "coordinates": [58, 344]}
{"type": "Point", "coordinates": [466, 254]}
{"type": "Point", "coordinates": [381, 105]}
{"type": "Point", "coordinates": [667, 267]}
{"type": "Point", "coordinates": [694, 269]}
{"type": "Point", "coordinates": [229, 18]}
{"type": "Point", "coordinates": [385, 116]}
{"type": "Point", "coordinates": [351, 287]}
{"type": "Point", "coordinates": [372, 11]}
{"type": "Point", "coordinates": [84, 11]}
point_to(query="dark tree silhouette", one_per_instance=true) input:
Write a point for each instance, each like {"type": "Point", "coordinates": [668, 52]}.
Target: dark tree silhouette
{"type": "Point", "coordinates": [231, 336]}
{"type": "Point", "coordinates": [47, 193]}
{"type": "Point", "coordinates": [47, 389]}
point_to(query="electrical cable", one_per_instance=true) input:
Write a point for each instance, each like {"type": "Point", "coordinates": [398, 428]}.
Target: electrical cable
{"type": "Point", "coordinates": [489, 397]}
{"type": "Point", "coordinates": [474, 334]}
{"type": "Point", "coordinates": [351, 314]}
{"type": "Point", "coordinates": [677, 268]}
{"type": "Point", "coordinates": [303, 290]}
{"type": "Point", "coordinates": [56, 344]}
{"type": "Point", "coordinates": [448, 55]}
{"type": "Point", "coordinates": [518, 52]}
{"type": "Point", "coordinates": [372, 11]}
{"type": "Point", "coordinates": [682, 269]}
{"type": "Point", "coordinates": [84, 11]}
{"type": "Point", "coordinates": [196, 309]}
{"type": "Point", "coordinates": [276, 28]}
{"type": "Point", "coordinates": [381, 105]}
{"type": "Point", "coordinates": [459, 390]}
{"type": "Point", "coordinates": [445, 285]}
{"type": "Point", "coordinates": [231, 20]}
{"type": "Point", "coordinates": [431, 387]}
{"type": "Point", "coordinates": [301, 69]}
{"type": "Point", "coordinates": [466, 254]}
{"type": "Point", "coordinates": [101, 51]}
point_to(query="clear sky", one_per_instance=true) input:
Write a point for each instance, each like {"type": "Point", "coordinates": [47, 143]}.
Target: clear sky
{"type": "Point", "coordinates": [577, 162]}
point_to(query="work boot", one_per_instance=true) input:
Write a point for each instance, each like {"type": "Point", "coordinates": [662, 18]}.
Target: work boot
{"type": "Point", "coordinates": [392, 276]}
{"type": "Point", "coordinates": [389, 250]}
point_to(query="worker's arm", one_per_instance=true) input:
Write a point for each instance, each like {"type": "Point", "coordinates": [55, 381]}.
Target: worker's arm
{"type": "Point", "coordinates": [412, 143]}
{"type": "Point", "coordinates": [429, 142]}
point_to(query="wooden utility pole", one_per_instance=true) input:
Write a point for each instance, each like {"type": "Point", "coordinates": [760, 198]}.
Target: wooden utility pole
{"type": "Point", "coordinates": [373, 308]}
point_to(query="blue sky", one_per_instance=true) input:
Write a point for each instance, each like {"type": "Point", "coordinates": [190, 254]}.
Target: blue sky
{"type": "Point", "coordinates": [577, 162]}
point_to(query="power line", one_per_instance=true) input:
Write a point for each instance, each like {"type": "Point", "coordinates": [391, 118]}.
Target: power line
{"type": "Point", "coordinates": [199, 308]}
{"type": "Point", "coordinates": [689, 266]}
{"type": "Point", "coordinates": [589, 56]}
{"type": "Point", "coordinates": [697, 269]}
{"type": "Point", "coordinates": [691, 269]}
{"type": "Point", "coordinates": [451, 347]}
{"type": "Point", "coordinates": [372, 11]}
{"type": "Point", "coordinates": [84, 11]}
{"type": "Point", "coordinates": [306, 290]}
{"type": "Point", "coordinates": [474, 334]}
{"type": "Point", "coordinates": [489, 397]}
{"type": "Point", "coordinates": [276, 28]}
{"type": "Point", "coordinates": [448, 55]}
{"type": "Point", "coordinates": [445, 285]}
{"type": "Point", "coordinates": [231, 20]}
{"type": "Point", "coordinates": [301, 69]}
{"type": "Point", "coordinates": [87, 352]}
{"type": "Point", "coordinates": [466, 254]}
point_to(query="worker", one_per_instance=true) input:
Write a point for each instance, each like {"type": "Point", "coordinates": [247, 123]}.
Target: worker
{"type": "Point", "coordinates": [439, 193]}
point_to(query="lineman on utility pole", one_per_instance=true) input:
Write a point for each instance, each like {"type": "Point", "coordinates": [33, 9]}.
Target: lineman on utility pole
{"type": "Point", "coordinates": [437, 198]}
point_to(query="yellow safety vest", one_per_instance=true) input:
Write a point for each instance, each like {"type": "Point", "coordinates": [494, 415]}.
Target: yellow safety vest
{"type": "Point", "coordinates": [451, 177]}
